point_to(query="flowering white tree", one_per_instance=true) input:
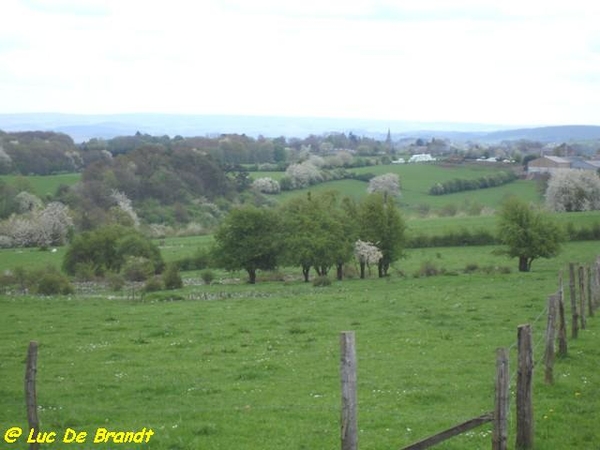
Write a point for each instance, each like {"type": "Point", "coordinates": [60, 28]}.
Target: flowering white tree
{"type": "Point", "coordinates": [124, 204]}
{"type": "Point", "coordinates": [54, 223]}
{"type": "Point", "coordinates": [41, 227]}
{"type": "Point", "coordinates": [387, 183]}
{"type": "Point", "coordinates": [27, 202]}
{"type": "Point", "coordinates": [303, 174]}
{"type": "Point", "coordinates": [266, 185]}
{"type": "Point", "coordinates": [366, 254]}
{"type": "Point", "coordinates": [573, 190]}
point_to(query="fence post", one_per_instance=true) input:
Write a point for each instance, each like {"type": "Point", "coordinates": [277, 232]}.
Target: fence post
{"type": "Point", "coordinates": [524, 389]}
{"type": "Point", "coordinates": [572, 295]}
{"type": "Point", "coordinates": [349, 425]}
{"type": "Point", "coordinates": [550, 337]}
{"type": "Point", "coordinates": [582, 297]}
{"type": "Point", "coordinates": [588, 285]}
{"type": "Point", "coordinates": [501, 404]}
{"type": "Point", "coordinates": [597, 278]}
{"type": "Point", "coordinates": [30, 392]}
{"type": "Point", "coordinates": [562, 327]}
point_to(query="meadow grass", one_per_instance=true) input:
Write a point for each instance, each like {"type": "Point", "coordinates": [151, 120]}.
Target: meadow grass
{"type": "Point", "coordinates": [417, 179]}
{"type": "Point", "coordinates": [42, 185]}
{"type": "Point", "coordinates": [256, 367]}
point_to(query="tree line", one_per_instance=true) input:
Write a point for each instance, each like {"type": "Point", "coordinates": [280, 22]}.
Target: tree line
{"type": "Point", "coordinates": [460, 185]}
{"type": "Point", "coordinates": [316, 232]}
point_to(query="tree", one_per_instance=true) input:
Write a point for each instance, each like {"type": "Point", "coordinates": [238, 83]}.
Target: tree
{"type": "Point", "coordinates": [107, 249]}
{"type": "Point", "coordinates": [527, 233]}
{"type": "Point", "coordinates": [317, 234]}
{"type": "Point", "coordinates": [382, 225]}
{"type": "Point", "coordinates": [247, 239]}
{"type": "Point", "coordinates": [303, 174]}
{"type": "Point", "coordinates": [266, 185]}
{"type": "Point", "coordinates": [366, 254]}
{"type": "Point", "coordinates": [388, 183]}
{"type": "Point", "coordinates": [573, 190]}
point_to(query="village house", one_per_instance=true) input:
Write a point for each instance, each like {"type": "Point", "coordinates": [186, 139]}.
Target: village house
{"type": "Point", "coordinates": [549, 164]}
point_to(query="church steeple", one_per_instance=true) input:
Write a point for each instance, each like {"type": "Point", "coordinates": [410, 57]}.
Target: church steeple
{"type": "Point", "coordinates": [388, 141]}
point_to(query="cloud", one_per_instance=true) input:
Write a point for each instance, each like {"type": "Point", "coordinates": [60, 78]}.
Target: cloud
{"type": "Point", "coordinates": [465, 60]}
{"type": "Point", "coordinates": [68, 7]}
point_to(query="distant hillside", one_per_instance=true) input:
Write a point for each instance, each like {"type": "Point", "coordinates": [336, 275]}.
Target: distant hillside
{"type": "Point", "coordinates": [84, 127]}
{"type": "Point", "coordinates": [564, 133]}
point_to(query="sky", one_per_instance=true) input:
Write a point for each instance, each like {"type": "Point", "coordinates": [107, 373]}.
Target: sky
{"type": "Point", "coordinates": [508, 62]}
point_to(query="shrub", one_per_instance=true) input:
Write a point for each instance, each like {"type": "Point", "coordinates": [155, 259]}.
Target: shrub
{"type": "Point", "coordinates": [153, 284]}
{"type": "Point", "coordinates": [53, 283]}
{"type": "Point", "coordinates": [85, 271]}
{"type": "Point", "coordinates": [115, 281]}
{"type": "Point", "coordinates": [137, 268]}
{"type": "Point", "coordinates": [321, 281]}
{"type": "Point", "coordinates": [471, 267]}
{"type": "Point", "coordinates": [200, 260]}
{"type": "Point", "coordinates": [427, 269]}
{"type": "Point", "coordinates": [107, 248]}
{"type": "Point", "coordinates": [207, 276]}
{"type": "Point", "coordinates": [172, 278]}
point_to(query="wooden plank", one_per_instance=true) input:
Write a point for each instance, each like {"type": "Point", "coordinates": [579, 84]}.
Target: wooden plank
{"type": "Point", "coordinates": [451, 432]}
{"type": "Point", "coordinates": [349, 423]}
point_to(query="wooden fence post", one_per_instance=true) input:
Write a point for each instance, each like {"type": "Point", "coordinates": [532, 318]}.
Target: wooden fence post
{"type": "Point", "coordinates": [562, 327]}
{"type": "Point", "coordinates": [572, 295]}
{"type": "Point", "coordinates": [349, 423]}
{"type": "Point", "coordinates": [501, 404]}
{"type": "Point", "coordinates": [588, 285]}
{"type": "Point", "coordinates": [30, 392]}
{"type": "Point", "coordinates": [582, 297]}
{"type": "Point", "coordinates": [597, 278]}
{"type": "Point", "coordinates": [524, 439]}
{"type": "Point", "coordinates": [550, 337]}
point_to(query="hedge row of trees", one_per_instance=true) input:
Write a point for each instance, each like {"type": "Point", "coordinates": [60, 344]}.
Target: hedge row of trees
{"type": "Point", "coordinates": [38, 153]}
{"type": "Point", "coordinates": [314, 232]}
{"type": "Point", "coordinates": [459, 185]}
{"type": "Point", "coordinates": [44, 152]}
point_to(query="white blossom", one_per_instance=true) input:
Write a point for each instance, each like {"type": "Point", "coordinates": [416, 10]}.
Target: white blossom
{"type": "Point", "coordinates": [266, 185]}
{"type": "Point", "coordinates": [366, 252]}
{"type": "Point", "coordinates": [124, 203]}
{"type": "Point", "coordinates": [303, 174]}
{"type": "Point", "coordinates": [27, 202]}
{"type": "Point", "coordinates": [41, 227]}
{"type": "Point", "coordinates": [573, 190]}
{"type": "Point", "coordinates": [387, 183]}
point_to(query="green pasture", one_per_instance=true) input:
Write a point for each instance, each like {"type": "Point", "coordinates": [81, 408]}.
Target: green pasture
{"type": "Point", "coordinates": [417, 179]}
{"type": "Point", "coordinates": [176, 248]}
{"type": "Point", "coordinates": [256, 366]}
{"type": "Point", "coordinates": [41, 186]}
{"type": "Point", "coordinates": [438, 226]}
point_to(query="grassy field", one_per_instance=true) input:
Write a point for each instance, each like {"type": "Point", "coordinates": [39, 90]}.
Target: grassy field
{"type": "Point", "coordinates": [417, 179]}
{"type": "Point", "coordinates": [256, 367]}
{"type": "Point", "coordinates": [42, 186]}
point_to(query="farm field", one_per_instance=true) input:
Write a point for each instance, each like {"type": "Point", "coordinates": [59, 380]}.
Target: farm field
{"type": "Point", "coordinates": [256, 367]}
{"type": "Point", "coordinates": [417, 179]}
{"type": "Point", "coordinates": [175, 248]}
{"type": "Point", "coordinates": [42, 185]}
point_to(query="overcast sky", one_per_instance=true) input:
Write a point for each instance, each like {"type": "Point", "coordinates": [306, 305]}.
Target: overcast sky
{"type": "Point", "coordinates": [510, 62]}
